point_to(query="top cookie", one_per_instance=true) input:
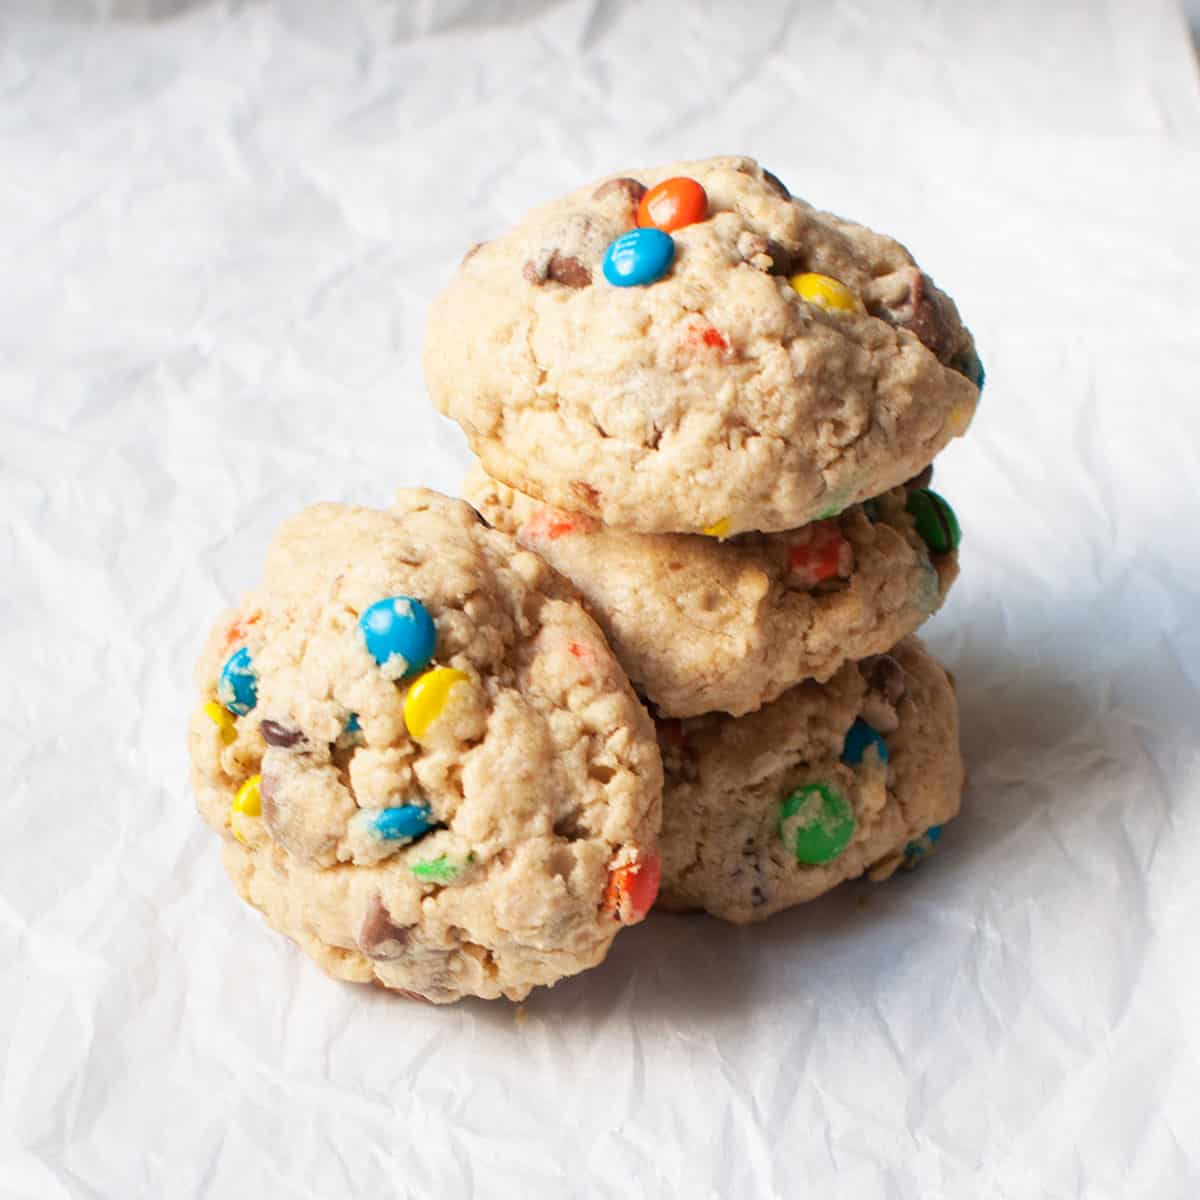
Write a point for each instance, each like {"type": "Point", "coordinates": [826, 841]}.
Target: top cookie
{"type": "Point", "coordinates": [782, 364]}
{"type": "Point", "coordinates": [428, 768]}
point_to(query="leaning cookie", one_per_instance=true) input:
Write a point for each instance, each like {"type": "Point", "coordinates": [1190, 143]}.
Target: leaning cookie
{"type": "Point", "coordinates": [827, 783]}
{"type": "Point", "coordinates": [689, 348]}
{"type": "Point", "coordinates": [428, 769]}
{"type": "Point", "coordinates": [705, 626]}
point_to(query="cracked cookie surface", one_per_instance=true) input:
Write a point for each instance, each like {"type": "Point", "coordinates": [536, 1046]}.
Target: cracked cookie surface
{"type": "Point", "coordinates": [476, 818]}
{"type": "Point", "coordinates": [881, 736]}
{"type": "Point", "coordinates": [717, 395]}
{"type": "Point", "coordinates": [706, 626]}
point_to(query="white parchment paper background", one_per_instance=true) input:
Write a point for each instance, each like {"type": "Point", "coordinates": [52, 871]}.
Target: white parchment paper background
{"type": "Point", "coordinates": [220, 227]}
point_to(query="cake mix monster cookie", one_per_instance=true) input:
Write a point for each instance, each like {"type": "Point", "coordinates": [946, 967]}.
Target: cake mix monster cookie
{"type": "Point", "coordinates": [703, 626]}
{"type": "Point", "coordinates": [427, 767]}
{"type": "Point", "coordinates": [831, 781]}
{"type": "Point", "coordinates": [692, 349]}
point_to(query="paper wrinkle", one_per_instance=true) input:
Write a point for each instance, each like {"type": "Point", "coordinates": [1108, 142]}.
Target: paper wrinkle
{"type": "Point", "coordinates": [222, 224]}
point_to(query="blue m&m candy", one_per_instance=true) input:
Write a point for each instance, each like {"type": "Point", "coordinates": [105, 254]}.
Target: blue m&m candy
{"type": "Point", "coordinates": [399, 627]}
{"type": "Point", "coordinates": [352, 732]}
{"type": "Point", "coordinates": [237, 685]}
{"type": "Point", "coordinates": [859, 736]}
{"type": "Point", "coordinates": [921, 848]}
{"type": "Point", "coordinates": [403, 824]}
{"type": "Point", "coordinates": [972, 367]}
{"type": "Point", "coordinates": [638, 257]}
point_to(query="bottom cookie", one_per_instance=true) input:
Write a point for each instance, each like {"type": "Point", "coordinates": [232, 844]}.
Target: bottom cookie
{"type": "Point", "coordinates": [828, 782]}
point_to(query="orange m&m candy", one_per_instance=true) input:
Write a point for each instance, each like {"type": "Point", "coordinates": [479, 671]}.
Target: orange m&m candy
{"type": "Point", "coordinates": [673, 204]}
{"type": "Point", "coordinates": [553, 523]}
{"type": "Point", "coordinates": [820, 552]}
{"type": "Point", "coordinates": [633, 888]}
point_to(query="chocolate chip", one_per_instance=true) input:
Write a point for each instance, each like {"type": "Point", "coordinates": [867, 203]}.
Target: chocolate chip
{"type": "Point", "coordinates": [379, 938]}
{"type": "Point", "coordinates": [565, 247]}
{"type": "Point", "coordinates": [885, 676]}
{"type": "Point", "coordinates": [572, 826]}
{"type": "Point", "coordinates": [569, 271]}
{"type": "Point", "coordinates": [783, 260]}
{"type": "Point", "coordinates": [558, 268]}
{"type": "Point", "coordinates": [913, 303]}
{"type": "Point", "coordinates": [287, 823]}
{"type": "Point", "coordinates": [275, 734]}
{"type": "Point", "coordinates": [757, 896]}
{"type": "Point", "coordinates": [767, 255]}
{"type": "Point", "coordinates": [776, 185]}
{"type": "Point", "coordinates": [931, 324]}
{"type": "Point", "coordinates": [632, 189]}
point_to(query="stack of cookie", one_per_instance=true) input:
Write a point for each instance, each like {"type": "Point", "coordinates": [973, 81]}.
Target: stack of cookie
{"type": "Point", "coordinates": [714, 410]}
{"type": "Point", "coordinates": [706, 414]}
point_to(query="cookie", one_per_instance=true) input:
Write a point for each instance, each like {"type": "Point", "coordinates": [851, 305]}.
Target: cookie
{"type": "Point", "coordinates": [738, 361]}
{"type": "Point", "coordinates": [831, 781]}
{"type": "Point", "coordinates": [425, 763]}
{"type": "Point", "coordinates": [706, 626]}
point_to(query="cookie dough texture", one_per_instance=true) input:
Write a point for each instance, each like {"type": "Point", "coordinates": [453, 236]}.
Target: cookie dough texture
{"type": "Point", "coordinates": [726, 778]}
{"type": "Point", "coordinates": [715, 394]}
{"type": "Point", "coordinates": [542, 771]}
{"type": "Point", "coordinates": [707, 626]}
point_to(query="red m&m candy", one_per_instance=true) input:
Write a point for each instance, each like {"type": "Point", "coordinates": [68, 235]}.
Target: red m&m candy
{"type": "Point", "coordinates": [633, 888]}
{"type": "Point", "coordinates": [673, 204]}
{"type": "Point", "coordinates": [820, 552]}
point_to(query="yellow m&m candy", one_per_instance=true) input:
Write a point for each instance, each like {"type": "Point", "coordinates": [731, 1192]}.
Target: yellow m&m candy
{"type": "Point", "coordinates": [247, 802]}
{"type": "Point", "coordinates": [248, 798]}
{"type": "Point", "coordinates": [826, 292]}
{"type": "Point", "coordinates": [218, 715]}
{"type": "Point", "coordinates": [427, 697]}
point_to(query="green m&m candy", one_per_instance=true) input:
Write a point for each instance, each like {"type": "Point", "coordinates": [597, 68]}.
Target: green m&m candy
{"type": "Point", "coordinates": [816, 823]}
{"type": "Point", "coordinates": [936, 522]}
{"type": "Point", "coordinates": [436, 870]}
